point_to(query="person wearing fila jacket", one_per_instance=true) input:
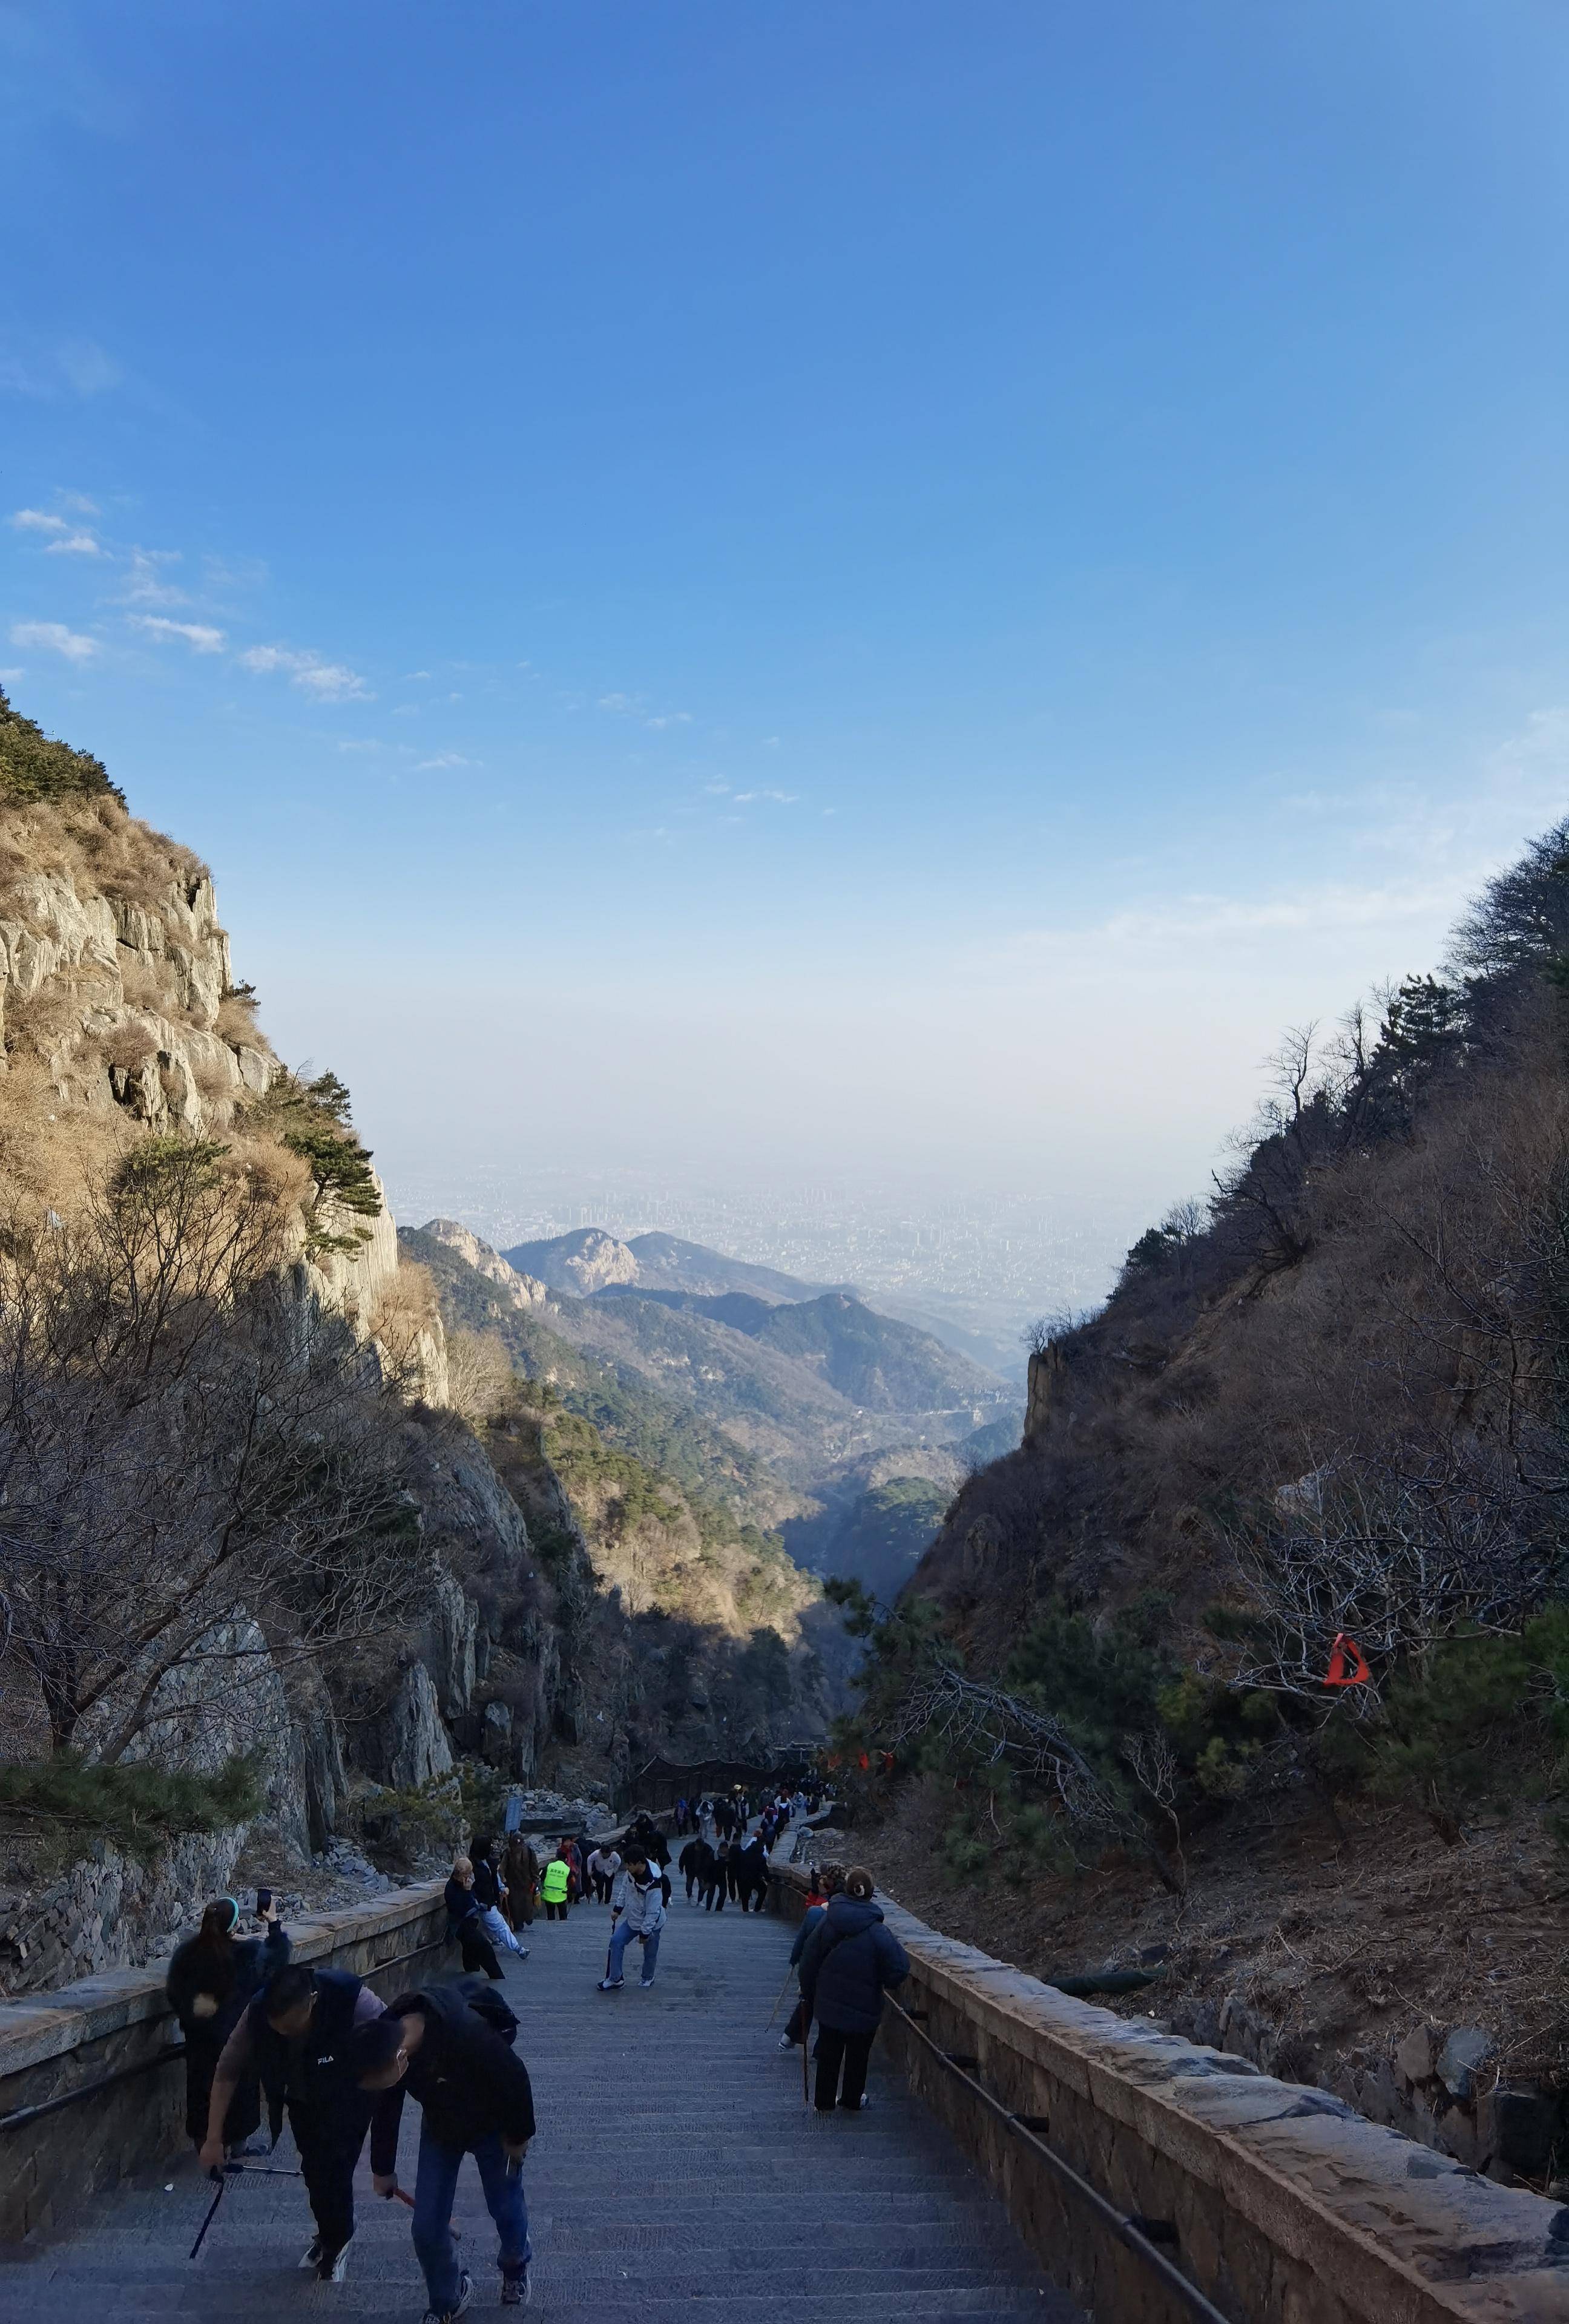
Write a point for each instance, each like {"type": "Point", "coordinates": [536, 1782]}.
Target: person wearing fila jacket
{"type": "Point", "coordinates": [297, 2036]}
{"type": "Point", "coordinates": [637, 1909]}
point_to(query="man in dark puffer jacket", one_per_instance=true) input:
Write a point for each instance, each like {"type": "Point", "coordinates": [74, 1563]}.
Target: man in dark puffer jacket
{"type": "Point", "coordinates": [474, 2098]}
{"type": "Point", "coordinates": [850, 1958]}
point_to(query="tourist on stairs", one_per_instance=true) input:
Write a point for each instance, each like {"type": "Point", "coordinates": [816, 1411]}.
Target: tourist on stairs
{"type": "Point", "coordinates": [448, 2045]}
{"type": "Point", "coordinates": [823, 1886]}
{"type": "Point", "coordinates": [849, 1959]}
{"type": "Point", "coordinates": [297, 2035]}
{"type": "Point", "coordinates": [637, 1909]}
{"type": "Point", "coordinates": [555, 1882]}
{"type": "Point", "coordinates": [489, 1891]}
{"type": "Point", "coordinates": [211, 1982]}
{"type": "Point", "coordinates": [464, 1923]}
{"type": "Point", "coordinates": [603, 1864]}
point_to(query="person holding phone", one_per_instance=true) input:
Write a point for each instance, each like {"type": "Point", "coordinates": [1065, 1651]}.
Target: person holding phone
{"type": "Point", "coordinates": [211, 1984]}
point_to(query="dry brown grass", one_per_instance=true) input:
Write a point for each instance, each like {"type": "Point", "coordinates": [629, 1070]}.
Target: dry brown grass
{"type": "Point", "coordinates": [236, 1023]}
{"type": "Point", "coordinates": [405, 1314]}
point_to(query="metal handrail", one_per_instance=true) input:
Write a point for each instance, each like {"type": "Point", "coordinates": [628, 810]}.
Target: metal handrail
{"type": "Point", "coordinates": [1127, 2230]}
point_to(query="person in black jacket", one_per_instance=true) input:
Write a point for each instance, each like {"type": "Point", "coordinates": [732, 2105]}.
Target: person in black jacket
{"type": "Point", "coordinates": [440, 2044]}
{"type": "Point", "coordinates": [750, 1865]}
{"type": "Point", "coordinates": [716, 1877]}
{"type": "Point", "coordinates": [297, 2035]}
{"type": "Point", "coordinates": [693, 1857]}
{"type": "Point", "coordinates": [466, 1922]}
{"type": "Point", "coordinates": [489, 1894]}
{"type": "Point", "coordinates": [211, 1980]}
{"type": "Point", "coordinates": [849, 1959]}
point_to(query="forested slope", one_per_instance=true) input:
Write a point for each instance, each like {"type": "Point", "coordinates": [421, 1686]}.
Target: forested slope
{"type": "Point", "coordinates": [1327, 1404]}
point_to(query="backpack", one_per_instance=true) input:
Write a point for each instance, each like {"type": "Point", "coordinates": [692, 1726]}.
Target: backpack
{"type": "Point", "coordinates": [489, 2006]}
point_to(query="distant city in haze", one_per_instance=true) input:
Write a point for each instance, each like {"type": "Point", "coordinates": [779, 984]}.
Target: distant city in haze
{"type": "Point", "coordinates": [981, 1267]}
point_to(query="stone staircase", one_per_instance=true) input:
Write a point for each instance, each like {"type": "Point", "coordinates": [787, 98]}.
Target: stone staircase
{"type": "Point", "coordinates": [675, 2174]}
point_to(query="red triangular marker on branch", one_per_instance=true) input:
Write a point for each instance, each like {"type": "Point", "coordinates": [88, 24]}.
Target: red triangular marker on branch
{"type": "Point", "coordinates": [1344, 1672]}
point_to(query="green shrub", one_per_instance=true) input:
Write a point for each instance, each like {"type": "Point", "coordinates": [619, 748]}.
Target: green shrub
{"type": "Point", "coordinates": [32, 767]}
{"type": "Point", "coordinates": [135, 1803]}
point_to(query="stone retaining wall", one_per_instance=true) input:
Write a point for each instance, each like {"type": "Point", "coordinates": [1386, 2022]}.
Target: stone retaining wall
{"type": "Point", "coordinates": [1289, 2207]}
{"type": "Point", "coordinates": [59, 2042]}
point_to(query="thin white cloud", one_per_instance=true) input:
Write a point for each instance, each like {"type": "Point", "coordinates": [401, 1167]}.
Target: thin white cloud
{"type": "Point", "coordinates": [200, 636]}
{"type": "Point", "coordinates": [718, 790]}
{"type": "Point", "coordinates": [442, 759]}
{"type": "Point", "coordinates": [54, 638]}
{"type": "Point", "coordinates": [89, 368]}
{"type": "Point", "coordinates": [780, 798]}
{"type": "Point", "coordinates": [669, 719]}
{"type": "Point", "coordinates": [328, 681]}
{"type": "Point", "coordinates": [75, 544]}
{"type": "Point", "coordinates": [38, 521]}
{"type": "Point", "coordinates": [146, 584]}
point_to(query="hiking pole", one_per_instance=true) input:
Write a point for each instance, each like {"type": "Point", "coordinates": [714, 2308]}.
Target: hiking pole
{"type": "Point", "coordinates": [223, 2179]}
{"type": "Point", "coordinates": [784, 1988]}
{"type": "Point", "coordinates": [806, 2046]}
{"type": "Point", "coordinates": [405, 2198]}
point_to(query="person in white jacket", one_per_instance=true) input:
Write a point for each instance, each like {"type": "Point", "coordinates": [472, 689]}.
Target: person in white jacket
{"type": "Point", "coordinates": [637, 1909]}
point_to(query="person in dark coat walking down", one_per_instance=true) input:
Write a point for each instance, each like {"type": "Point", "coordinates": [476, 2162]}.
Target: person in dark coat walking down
{"type": "Point", "coordinates": [212, 1980]}
{"type": "Point", "coordinates": [715, 1877]}
{"type": "Point", "coordinates": [449, 2046]}
{"type": "Point", "coordinates": [466, 1922]}
{"type": "Point", "coordinates": [849, 1960]}
{"type": "Point", "coordinates": [824, 1886]}
{"type": "Point", "coordinates": [750, 1865]}
{"type": "Point", "coordinates": [693, 1856]}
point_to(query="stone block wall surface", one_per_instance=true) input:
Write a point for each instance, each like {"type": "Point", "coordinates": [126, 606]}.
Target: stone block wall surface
{"type": "Point", "coordinates": [1289, 2208]}
{"type": "Point", "coordinates": [53, 2043]}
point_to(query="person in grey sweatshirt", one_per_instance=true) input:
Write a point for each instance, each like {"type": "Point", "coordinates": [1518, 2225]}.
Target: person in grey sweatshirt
{"type": "Point", "coordinates": [637, 1909]}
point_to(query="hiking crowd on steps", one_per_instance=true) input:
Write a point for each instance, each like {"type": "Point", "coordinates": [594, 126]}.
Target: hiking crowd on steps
{"type": "Point", "coordinates": [325, 2053]}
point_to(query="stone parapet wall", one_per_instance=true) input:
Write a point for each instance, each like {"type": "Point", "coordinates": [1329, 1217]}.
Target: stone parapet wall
{"type": "Point", "coordinates": [1289, 2207]}
{"type": "Point", "coordinates": [119, 2024]}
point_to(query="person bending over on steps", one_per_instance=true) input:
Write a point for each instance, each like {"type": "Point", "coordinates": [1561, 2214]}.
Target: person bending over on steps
{"type": "Point", "coordinates": [297, 2035]}
{"type": "Point", "coordinates": [637, 1909]}
{"type": "Point", "coordinates": [850, 1958]}
{"type": "Point", "coordinates": [450, 2046]}
{"type": "Point", "coordinates": [603, 1864]}
{"type": "Point", "coordinates": [211, 1982]}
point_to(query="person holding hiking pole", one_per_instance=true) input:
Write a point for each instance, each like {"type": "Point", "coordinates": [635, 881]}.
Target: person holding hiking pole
{"type": "Point", "coordinates": [449, 2046]}
{"type": "Point", "coordinates": [296, 2035]}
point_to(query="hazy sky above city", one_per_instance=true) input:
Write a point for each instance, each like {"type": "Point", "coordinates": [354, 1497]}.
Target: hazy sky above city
{"type": "Point", "coordinates": [887, 587]}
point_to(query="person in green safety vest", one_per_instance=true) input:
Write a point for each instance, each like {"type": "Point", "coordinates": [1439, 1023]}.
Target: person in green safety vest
{"type": "Point", "coordinates": [554, 1883]}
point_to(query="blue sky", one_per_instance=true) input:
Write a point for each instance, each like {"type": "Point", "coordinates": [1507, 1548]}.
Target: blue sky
{"type": "Point", "coordinates": [891, 586]}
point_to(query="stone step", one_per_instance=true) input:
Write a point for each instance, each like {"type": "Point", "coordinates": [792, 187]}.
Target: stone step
{"type": "Point", "coordinates": [677, 2172]}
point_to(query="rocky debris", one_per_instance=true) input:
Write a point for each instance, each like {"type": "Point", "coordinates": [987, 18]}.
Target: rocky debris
{"type": "Point", "coordinates": [1462, 2058]}
{"type": "Point", "coordinates": [596, 1813]}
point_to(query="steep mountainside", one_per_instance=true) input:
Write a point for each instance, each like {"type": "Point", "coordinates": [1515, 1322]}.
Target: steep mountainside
{"type": "Point", "coordinates": [1252, 1665]}
{"type": "Point", "coordinates": [257, 1529]}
